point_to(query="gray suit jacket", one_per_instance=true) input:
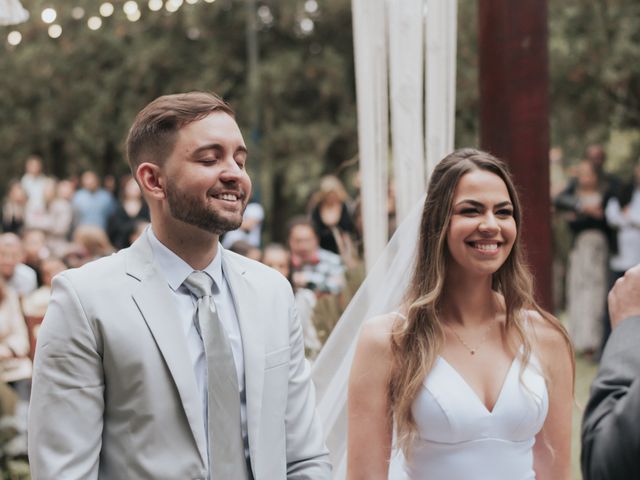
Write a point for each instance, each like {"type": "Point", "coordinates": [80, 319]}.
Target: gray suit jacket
{"type": "Point", "coordinates": [610, 432]}
{"type": "Point", "coordinates": [114, 393]}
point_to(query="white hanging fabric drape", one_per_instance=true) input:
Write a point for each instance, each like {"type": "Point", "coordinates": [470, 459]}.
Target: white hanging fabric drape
{"type": "Point", "coordinates": [405, 56]}
{"type": "Point", "coordinates": [440, 81]}
{"type": "Point", "coordinates": [370, 40]}
{"type": "Point", "coordinates": [405, 22]}
{"type": "Point", "coordinates": [406, 75]}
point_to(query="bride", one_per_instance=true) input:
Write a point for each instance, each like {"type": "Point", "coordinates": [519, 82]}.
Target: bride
{"type": "Point", "coordinates": [468, 377]}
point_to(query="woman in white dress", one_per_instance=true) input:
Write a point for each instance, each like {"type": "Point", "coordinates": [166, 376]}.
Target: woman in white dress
{"type": "Point", "coordinates": [470, 379]}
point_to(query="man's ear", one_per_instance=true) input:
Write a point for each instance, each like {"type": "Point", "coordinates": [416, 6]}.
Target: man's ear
{"type": "Point", "coordinates": [151, 180]}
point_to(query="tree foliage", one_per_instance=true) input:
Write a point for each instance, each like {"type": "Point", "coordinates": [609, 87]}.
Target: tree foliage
{"type": "Point", "coordinates": [72, 99]}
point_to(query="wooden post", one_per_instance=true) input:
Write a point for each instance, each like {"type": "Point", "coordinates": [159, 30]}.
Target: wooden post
{"type": "Point", "coordinates": [514, 115]}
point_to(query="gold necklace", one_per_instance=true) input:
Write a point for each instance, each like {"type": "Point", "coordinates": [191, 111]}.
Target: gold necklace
{"type": "Point", "coordinates": [473, 350]}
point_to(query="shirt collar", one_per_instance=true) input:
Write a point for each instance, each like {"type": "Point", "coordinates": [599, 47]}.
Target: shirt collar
{"type": "Point", "coordinates": [175, 269]}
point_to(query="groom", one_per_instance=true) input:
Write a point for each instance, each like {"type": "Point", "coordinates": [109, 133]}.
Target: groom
{"type": "Point", "coordinates": [174, 358]}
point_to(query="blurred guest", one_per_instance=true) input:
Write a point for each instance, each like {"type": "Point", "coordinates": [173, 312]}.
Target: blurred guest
{"type": "Point", "coordinates": [276, 256]}
{"type": "Point", "coordinates": [16, 274]}
{"type": "Point", "coordinates": [92, 205]}
{"type": "Point", "coordinates": [332, 219]}
{"type": "Point", "coordinates": [130, 208]}
{"type": "Point", "coordinates": [34, 244]}
{"type": "Point", "coordinates": [37, 214]}
{"type": "Point", "coordinates": [623, 213]}
{"type": "Point", "coordinates": [15, 365]}
{"type": "Point", "coordinates": [250, 230]}
{"type": "Point", "coordinates": [34, 182]}
{"type": "Point", "coordinates": [35, 304]}
{"type": "Point", "coordinates": [587, 276]}
{"type": "Point", "coordinates": [246, 250]}
{"type": "Point", "coordinates": [13, 208]}
{"type": "Point", "coordinates": [138, 228]}
{"type": "Point", "coordinates": [61, 214]}
{"type": "Point", "coordinates": [93, 241]}
{"type": "Point", "coordinates": [313, 267]}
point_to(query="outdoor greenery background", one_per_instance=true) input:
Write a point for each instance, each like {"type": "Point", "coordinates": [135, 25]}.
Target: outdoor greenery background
{"type": "Point", "coordinates": [72, 99]}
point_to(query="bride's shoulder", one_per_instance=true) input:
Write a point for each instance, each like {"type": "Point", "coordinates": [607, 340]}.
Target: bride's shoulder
{"type": "Point", "coordinates": [548, 336]}
{"type": "Point", "coordinates": [375, 334]}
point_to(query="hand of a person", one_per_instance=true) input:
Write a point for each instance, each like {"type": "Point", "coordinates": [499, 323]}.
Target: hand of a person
{"type": "Point", "coordinates": [593, 211]}
{"type": "Point", "coordinates": [5, 352]}
{"type": "Point", "coordinates": [624, 297]}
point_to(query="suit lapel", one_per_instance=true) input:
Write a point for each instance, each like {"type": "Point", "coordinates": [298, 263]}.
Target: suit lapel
{"type": "Point", "coordinates": [154, 300]}
{"type": "Point", "coordinates": [251, 329]}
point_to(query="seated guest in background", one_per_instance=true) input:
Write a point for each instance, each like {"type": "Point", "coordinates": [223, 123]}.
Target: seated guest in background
{"type": "Point", "coordinates": [130, 208]}
{"type": "Point", "coordinates": [312, 267]}
{"type": "Point", "coordinates": [13, 208]}
{"type": "Point", "coordinates": [93, 241]}
{"type": "Point", "coordinates": [92, 205]}
{"type": "Point", "coordinates": [35, 304]}
{"type": "Point", "coordinates": [331, 218]}
{"type": "Point", "coordinates": [34, 243]}
{"type": "Point", "coordinates": [250, 230]}
{"type": "Point", "coordinates": [20, 277]}
{"type": "Point", "coordinates": [246, 250]}
{"type": "Point", "coordinates": [610, 434]}
{"type": "Point", "coordinates": [61, 215]}
{"type": "Point", "coordinates": [15, 365]}
{"type": "Point", "coordinates": [277, 257]}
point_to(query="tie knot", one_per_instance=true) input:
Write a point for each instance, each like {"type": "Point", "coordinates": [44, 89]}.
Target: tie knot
{"type": "Point", "coordinates": [199, 283]}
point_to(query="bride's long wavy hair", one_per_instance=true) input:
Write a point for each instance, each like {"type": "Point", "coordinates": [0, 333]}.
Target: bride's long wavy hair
{"type": "Point", "coordinates": [417, 340]}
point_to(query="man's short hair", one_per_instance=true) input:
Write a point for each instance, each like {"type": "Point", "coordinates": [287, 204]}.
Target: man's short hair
{"type": "Point", "coordinates": [153, 134]}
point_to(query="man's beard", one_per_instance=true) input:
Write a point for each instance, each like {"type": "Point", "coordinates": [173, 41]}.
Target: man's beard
{"type": "Point", "coordinates": [191, 210]}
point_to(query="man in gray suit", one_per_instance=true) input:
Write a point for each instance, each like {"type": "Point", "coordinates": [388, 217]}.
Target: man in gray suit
{"type": "Point", "coordinates": [123, 380]}
{"type": "Point", "coordinates": [610, 433]}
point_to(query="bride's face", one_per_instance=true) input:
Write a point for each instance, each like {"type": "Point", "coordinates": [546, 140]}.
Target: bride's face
{"type": "Point", "coordinates": [482, 229]}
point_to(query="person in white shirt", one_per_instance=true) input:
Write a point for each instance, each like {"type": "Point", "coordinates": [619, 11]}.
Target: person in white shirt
{"type": "Point", "coordinates": [17, 275]}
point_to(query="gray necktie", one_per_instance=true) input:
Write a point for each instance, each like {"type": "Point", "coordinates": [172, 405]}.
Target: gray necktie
{"type": "Point", "coordinates": [226, 448]}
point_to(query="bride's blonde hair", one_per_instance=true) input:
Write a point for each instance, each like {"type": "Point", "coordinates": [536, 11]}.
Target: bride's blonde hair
{"type": "Point", "coordinates": [417, 339]}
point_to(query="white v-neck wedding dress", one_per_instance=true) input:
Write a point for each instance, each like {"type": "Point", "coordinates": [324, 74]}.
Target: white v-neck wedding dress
{"type": "Point", "coordinates": [460, 439]}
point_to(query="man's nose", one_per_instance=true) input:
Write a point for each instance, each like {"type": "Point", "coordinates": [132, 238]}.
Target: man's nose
{"type": "Point", "coordinates": [231, 171]}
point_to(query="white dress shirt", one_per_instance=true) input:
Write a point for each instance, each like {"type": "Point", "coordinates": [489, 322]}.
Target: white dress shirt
{"type": "Point", "coordinates": [176, 271]}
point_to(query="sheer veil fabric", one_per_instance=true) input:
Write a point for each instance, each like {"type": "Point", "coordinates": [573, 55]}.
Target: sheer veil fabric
{"type": "Point", "coordinates": [381, 292]}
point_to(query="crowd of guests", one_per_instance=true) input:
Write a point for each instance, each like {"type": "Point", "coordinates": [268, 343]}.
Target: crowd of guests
{"type": "Point", "coordinates": [602, 212]}
{"type": "Point", "coordinates": [49, 225]}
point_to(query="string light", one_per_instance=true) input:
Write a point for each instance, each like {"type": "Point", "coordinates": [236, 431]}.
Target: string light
{"type": "Point", "coordinates": [155, 5]}
{"type": "Point", "coordinates": [173, 5]}
{"type": "Point", "coordinates": [192, 2]}
{"type": "Point", "coordinates": [55, 30]}
{"type": "Point", "coordinates": [94, 23]}
{"type": "Point", "coordinates": [134, 17]}
{"type": "Point", "coordinates": [14, 38]}
{"type": "Point", "coordinates": [311, 6]}
{"type": "Point", "coordinates": [48, 15]}
{"type": "Point", "coordinates": [106, 9]}
{"type": "Point", "coordinates": [306, 25]}
{"type": "Point", "coordinates": [130, 8]}
{"type": "Point", "coordinates": [77, 13]}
